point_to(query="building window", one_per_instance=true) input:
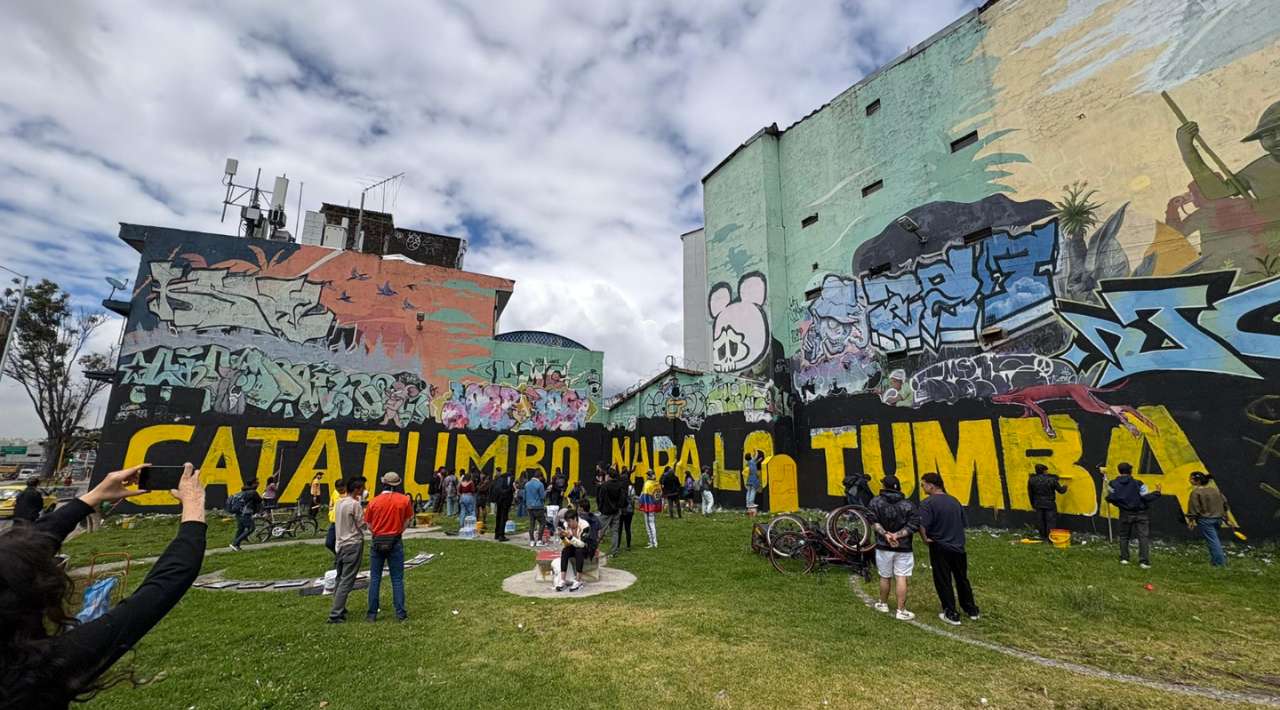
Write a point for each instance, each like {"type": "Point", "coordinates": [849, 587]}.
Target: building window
{"type": "Point", "coordinates": [977, 236]}
{"type": "Point", "coordinates": [873, 187]}
{"type": "Point", "coordinates": [964, 141]}
{"type": "Point", "coordinates": [873, 107]}
{"type": "Point", "coordinates": [807, 221]}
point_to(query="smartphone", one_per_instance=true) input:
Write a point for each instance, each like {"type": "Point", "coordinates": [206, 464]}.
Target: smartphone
{"type": "Point", "coordinates": [159, 478]}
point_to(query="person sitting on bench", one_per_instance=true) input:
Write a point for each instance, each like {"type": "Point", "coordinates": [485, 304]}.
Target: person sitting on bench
{"type": "Point", "coordinates": [578, 538]}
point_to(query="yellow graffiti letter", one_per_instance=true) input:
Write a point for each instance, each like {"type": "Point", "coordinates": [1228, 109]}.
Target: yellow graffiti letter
{"type": "Point", "coordinates": [975, 455]}
{"type": "Point", "coordinates": [833, 443]}
{"type": "Point", "coordinates": [1021, 435]}
{"type": "Point", "coordinates": [141, 442]}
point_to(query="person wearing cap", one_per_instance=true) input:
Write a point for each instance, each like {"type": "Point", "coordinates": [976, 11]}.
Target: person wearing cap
{"type": "Point", "coordinates": [895, 520]}
{"type": "Point", "coordinates": [942, 523]}
{"type": "Point", "coordinates": [1043, 489]}
{"type": "Point", "coordinates": [1261, 177]}
{"type": "Point", "coordinates": [899, 392]}
{"type": "Point", "coordinates": [1134, 500]}
{"type": "Point", "coordinates": [387, 515]}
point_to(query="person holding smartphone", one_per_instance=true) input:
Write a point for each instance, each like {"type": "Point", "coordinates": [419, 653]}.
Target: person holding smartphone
{"type": "Point", "coordinates": [47, 660]}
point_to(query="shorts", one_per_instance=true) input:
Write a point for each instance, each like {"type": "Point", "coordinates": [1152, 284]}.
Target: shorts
{"type": "Point", "coordinates": [895, 564]}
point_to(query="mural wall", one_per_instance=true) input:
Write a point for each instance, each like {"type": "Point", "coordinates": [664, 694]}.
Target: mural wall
{"type": "Point", "coordinates": [262, 358]}
{"type": "Point", "coordinates": [1050, 234]}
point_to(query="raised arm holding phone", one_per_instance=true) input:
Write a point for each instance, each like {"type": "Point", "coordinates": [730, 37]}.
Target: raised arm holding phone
{"type": "Point", "coordinates": [46, 658]}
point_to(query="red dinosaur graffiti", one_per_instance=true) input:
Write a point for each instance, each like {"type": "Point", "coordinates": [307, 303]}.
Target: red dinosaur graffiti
{"type": "Point", "coordinates": [1030, 399]}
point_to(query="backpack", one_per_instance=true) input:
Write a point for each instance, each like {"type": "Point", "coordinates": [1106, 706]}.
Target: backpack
{"type": "Point", "coordinates": [235, 503]}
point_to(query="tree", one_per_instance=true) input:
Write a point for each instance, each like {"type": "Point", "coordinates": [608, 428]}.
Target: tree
{"type": "Point", "coordinates": [49, 343]}
{"type": "Point", "coordinates": [1076, 216]}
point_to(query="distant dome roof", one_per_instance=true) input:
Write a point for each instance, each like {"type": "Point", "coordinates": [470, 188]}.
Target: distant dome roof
{"type": "Point", "coordinates": [538, 337]}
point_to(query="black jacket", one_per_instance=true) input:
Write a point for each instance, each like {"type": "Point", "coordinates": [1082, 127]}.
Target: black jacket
{"type": "Point", "coordinates": [91, 648]}
{"type": "Point", "coordinates": [856, 488]}
{"type": "Point", "coordinates": [893, 512]}
{"type": "Point", "coordinates": [1130, 495]}
{"type": "Point", "coordinates": [613, 496]}
{"type": "Point", "coordinates": [670, 485]}
{"type": "Point", "coordinates": [1042, 489]}
{"type": "Point", "coordinates": [502, 490]}
{"type": "Point", "coordinates": [29, 504]}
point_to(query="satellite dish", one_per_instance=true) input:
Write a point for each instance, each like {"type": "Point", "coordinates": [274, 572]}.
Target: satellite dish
{"type": "Point", "coordinates": [116, 283]}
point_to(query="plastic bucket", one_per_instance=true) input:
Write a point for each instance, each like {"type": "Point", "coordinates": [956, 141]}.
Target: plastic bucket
{"type": "Point", "coordinates": [510, 529]}
{"type": "Point", "coordinates": [1060, 538]}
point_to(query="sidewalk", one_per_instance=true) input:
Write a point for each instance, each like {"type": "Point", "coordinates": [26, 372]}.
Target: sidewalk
{"type": "Point", "coordinates": [408, 534]}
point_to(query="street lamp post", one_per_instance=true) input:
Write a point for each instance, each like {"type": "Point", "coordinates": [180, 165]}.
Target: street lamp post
{"type": "Point", "coordinates": [13, 324]}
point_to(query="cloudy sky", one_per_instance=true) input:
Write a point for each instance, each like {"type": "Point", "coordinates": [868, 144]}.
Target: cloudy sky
{"type": "Point", "coordinates": [565, 140]}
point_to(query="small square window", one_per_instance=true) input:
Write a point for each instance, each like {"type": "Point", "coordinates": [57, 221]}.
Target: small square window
{"type": "Point", "coordinates": [964, 141]}
{"type": "Point", "coordinates": [873, 107]}
{"type": "Point", "coordinates": [977, 236]}
{"type": "Point", "coordinates": [807, 221]}
{"type": "Point", "coordinates": [873, 187]}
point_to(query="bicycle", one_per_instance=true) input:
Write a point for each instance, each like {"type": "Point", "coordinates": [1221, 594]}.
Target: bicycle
{"type": "Point", "coordinates": [271, 525]}
{"type": "Point", "coordinates": [848, 526]}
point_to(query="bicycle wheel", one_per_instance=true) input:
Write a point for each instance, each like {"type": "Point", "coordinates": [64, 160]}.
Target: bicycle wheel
{"type": "Point", "coordinates": [262, 531]}
{"type": "Point", "coordinates": [791, 553]}
{"type": "Point", "coordinates": [306, 526]}
{"type": "Point", "coordinates": [848, 528]}
{"type": "Point", "coordinates": [784, 524]}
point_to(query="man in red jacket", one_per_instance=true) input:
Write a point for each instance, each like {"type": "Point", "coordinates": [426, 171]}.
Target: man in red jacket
{"type": "Point", "coordinates": [386, 516]}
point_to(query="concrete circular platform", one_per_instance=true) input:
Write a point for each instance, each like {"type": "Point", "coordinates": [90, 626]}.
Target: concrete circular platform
{"type": "Point", "coordinates": [527, 584]}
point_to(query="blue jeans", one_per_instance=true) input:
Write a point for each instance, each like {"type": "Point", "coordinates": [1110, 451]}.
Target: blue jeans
{"type": "Point", "coordinates": [1208, 528]}
{"type": "Point", "coordinates": [244, 528]}
{"type": "Point", "coordinates": [451, 506]}
{"type": "Point", "coordinates": [751, 496]}
{"type": "Point", "coordinates": [395, 561]}
{"type": "Point", "coordinates": [468, 507]}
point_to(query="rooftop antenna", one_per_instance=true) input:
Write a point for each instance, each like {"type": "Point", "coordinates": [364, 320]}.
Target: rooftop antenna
{"type": "Point", "coordinates": [256, 222]}
{"type": "Point", "coordinates": [360, 214]}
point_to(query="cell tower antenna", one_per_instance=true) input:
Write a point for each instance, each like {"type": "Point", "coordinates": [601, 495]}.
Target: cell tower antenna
{"type": "Point", "coordinates": [256, 221]}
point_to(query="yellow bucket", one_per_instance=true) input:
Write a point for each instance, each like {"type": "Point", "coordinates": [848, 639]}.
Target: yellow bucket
{"type": "Point", "coordinates": [479, 527]}
{"type": "Point", "coordinates": [1060, 538]}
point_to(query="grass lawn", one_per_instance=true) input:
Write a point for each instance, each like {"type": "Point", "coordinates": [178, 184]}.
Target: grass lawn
{"type": "Point", "coordinates": [710, 625]}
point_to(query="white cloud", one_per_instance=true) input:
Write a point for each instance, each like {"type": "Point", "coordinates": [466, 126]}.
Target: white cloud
{"type": "Point", "coordinates": [574, 129]}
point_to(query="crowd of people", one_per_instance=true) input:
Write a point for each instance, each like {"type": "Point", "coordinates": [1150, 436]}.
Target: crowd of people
{"type": "Point", "coordinates": [48, 659]}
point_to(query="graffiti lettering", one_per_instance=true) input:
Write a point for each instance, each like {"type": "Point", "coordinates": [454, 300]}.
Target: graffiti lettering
{"type": "Point", "coordinates": [1187, 323]}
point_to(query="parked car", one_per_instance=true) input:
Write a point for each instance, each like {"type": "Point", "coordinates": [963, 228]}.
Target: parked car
{"type": "Point", "coordinates": [9, 497]}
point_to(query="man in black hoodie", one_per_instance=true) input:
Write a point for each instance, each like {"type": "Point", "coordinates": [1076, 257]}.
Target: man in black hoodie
{"type": "Point", "coordinates": [1043, 489]}
{"type": "Point", "coordinates": [671, 491]}
{"type": "Point", "coordinates": [895, 520]}
{"type": "Point", "coordinates": [502, 491]}
{"type": "Point", "coordinates": [613, 501]}
{"type": "Point", "coordinates": [1132, 498]}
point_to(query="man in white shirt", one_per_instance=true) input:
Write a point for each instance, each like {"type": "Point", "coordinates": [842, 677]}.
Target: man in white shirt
{"type": "Point", "coordinates": [349, 543]}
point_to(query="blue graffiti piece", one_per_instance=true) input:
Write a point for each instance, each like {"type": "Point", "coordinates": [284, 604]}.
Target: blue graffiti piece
{"type": "Point", "coordinates": [896, 307]}
{"type": "Point", "coordinates": [1174, 323]}
{"type": "Point", "coordinates": [1016, 271]}
{"type": "Point", "coordinates": [1006, 282]}
{"type": "Point", "coordinates": [1225, 317]}
{"type": "Point", "coordinates": [950, 309]}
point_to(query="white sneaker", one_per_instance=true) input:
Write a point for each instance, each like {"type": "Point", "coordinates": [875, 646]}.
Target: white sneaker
{"type": "Point", "coordinates": [945, 619]}
{"type": "Point", "coordinates": [532, 543]}
{"type": "Point", "coordinates": [882, 607]}
{"type": "Point", "coordinates": [234, 548]}
{"type": "Point", "coordinates": [559, 587]}
{"type": "Point", "coordinates": [1144, 565]}
{"type": "Point", "coordinates": [575, 586]}
{"type": "Point", "coordinates": [1124, 562]}
{"type": "Point", "coordinates": [904, 615]}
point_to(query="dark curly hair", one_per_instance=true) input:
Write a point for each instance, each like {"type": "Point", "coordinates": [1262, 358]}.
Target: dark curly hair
{"type": "Point", "coordinates": [35, 593]}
